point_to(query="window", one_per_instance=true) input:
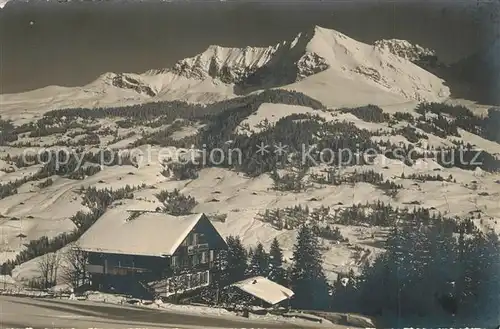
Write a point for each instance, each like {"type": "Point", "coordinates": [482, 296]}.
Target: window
{"type": "Point", "coordinates": [203, 277]}
{"type": "Point", "coordinates": [195, 239]}
{"type": "Point", "coordinates": [202, 238]}
{"type": "Point", "coordinates": [174, 262]}
{"type": "Point", "coordinates": [188, 241]}
{"type": "Point", "coordinates": [195, 259]}
{"type": "Point", "coordinates": [125, 261]}
{"type": "Point", "coordinates": [204, 257]}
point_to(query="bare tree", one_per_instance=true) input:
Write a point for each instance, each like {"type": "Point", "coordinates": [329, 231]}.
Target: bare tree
{"type": "Point", "coordinates": [74, 271]}
{"type": "Point", "coordinates": [48, 265]}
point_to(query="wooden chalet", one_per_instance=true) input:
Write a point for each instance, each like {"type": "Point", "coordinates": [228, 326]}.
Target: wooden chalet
{"type": "Point", "coordinates": [152, 254]}
{"type": "Point", "coordinates": [264, 292]}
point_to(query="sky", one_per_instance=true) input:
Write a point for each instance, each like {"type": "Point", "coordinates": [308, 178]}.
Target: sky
{"type": "Point", "coordinates": [71, 44]}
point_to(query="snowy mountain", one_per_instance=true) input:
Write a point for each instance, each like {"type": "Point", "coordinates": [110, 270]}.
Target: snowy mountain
{"type": "Point", "coordinates": [248, 67]}
{"type": "Point", "coordinates": [405, 49]}
{"type": "Point", "coordinates": [311, 90]}
{"type": "Point", "coordinates": [322, 63]}
{"type": "Point", "coordinates": [312, 52]}
{"type": "Point", "coordinates": [3, 3]}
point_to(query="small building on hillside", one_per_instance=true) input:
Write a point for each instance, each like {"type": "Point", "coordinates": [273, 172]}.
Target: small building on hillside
{"type": "Point", "coordinates": [264, 292]}
{"type": "Point", "coordinates": [151, 247]}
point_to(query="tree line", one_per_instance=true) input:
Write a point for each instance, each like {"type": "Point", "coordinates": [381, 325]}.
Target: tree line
{"type": "Point", "coordinates": [175, 203]}
{"type": "Point", "coordinates": [429, 275]}
{"type": "Point", "coordinates": [439, 119]}
{"type": "Point", "coordinates": [376, 213]}
{"type": "Point", "coordinates": [307, 136]}
{"type": "Point", "coordinates": [332, 176]}
{"type": "Point", "coordinates": [304, 275]}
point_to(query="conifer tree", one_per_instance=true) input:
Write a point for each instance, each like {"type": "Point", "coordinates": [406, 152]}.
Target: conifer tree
{"type": "Point", "coordinates": [276, 272]}
{"type": "Point", "coordinates": [478, 282]}
{"type": "Point", "coordinates": [258, 262]}
{"type": "Point", "coordinates": [307, 278]}
{"type": "Point", "coordinates": [489, 290]}
{"type": "Point", "coordinates": [430, 273]}
{"type": "Point", "coordinates": [250, 253]}
{"type": "Point", "coordinates": [236, 260]}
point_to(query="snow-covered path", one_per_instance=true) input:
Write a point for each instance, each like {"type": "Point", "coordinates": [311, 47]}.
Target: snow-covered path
{"type": "Point", "coordinates": [44, 313]}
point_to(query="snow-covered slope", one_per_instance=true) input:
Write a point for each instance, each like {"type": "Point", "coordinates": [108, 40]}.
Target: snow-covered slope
{"type": "Point", "coordinates": [361, 73]}
{"type": "Point", "coordinates": [326, 64]}
{"type": "Point", "coordinates": [3, 3]}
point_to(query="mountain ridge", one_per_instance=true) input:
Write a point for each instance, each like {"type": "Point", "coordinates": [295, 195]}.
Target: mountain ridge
{"type": "Point", "coordinates": [332, 67]}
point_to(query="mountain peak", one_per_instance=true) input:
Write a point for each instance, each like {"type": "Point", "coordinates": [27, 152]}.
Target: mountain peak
{"type": "Point", "coordinates": [283, 63]}
{"type": "Point", "coordinates": [312, 31]}
{"type": "Point", "coordinates": [3, 3]}
{"type": "Point", "coordinates": [384, 68]}
{"type": "Point", "coordinates": [314, 50]}
{"type": "Point", "coordinates": [248, 67]}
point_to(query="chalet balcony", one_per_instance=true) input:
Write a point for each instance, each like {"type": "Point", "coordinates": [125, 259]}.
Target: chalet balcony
{"type": "Point", "coordinates": [125, 270]}
{"type": "Point", "coordinates": [115, 270]}
{"type": "Point", "coordinates": [181, 283]}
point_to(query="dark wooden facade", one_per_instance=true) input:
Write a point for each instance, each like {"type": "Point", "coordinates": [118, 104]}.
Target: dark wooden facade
{"type": "Point", "coordinates": [130, 274]}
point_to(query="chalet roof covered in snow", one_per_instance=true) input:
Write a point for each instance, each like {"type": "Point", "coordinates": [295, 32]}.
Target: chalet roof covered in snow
{"type": "Point", "coordinates": [149, 234]}
{"type": "Point", "coordinates": [264, 289]}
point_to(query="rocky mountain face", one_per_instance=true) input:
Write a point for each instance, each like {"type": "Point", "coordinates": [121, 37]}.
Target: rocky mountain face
{"type": "Point", "coordinates": [410, 174]}
{"type": "Point", "coordinates": [309, 53]}
{"type": "Point", "coordinates": [127, 82]}
{"type": "Point", "coordinates": [404, 49]}
{"type": "Point", "coordinates": [253, 68]}
{"type": "Point", "coordinates": [322, 63]}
